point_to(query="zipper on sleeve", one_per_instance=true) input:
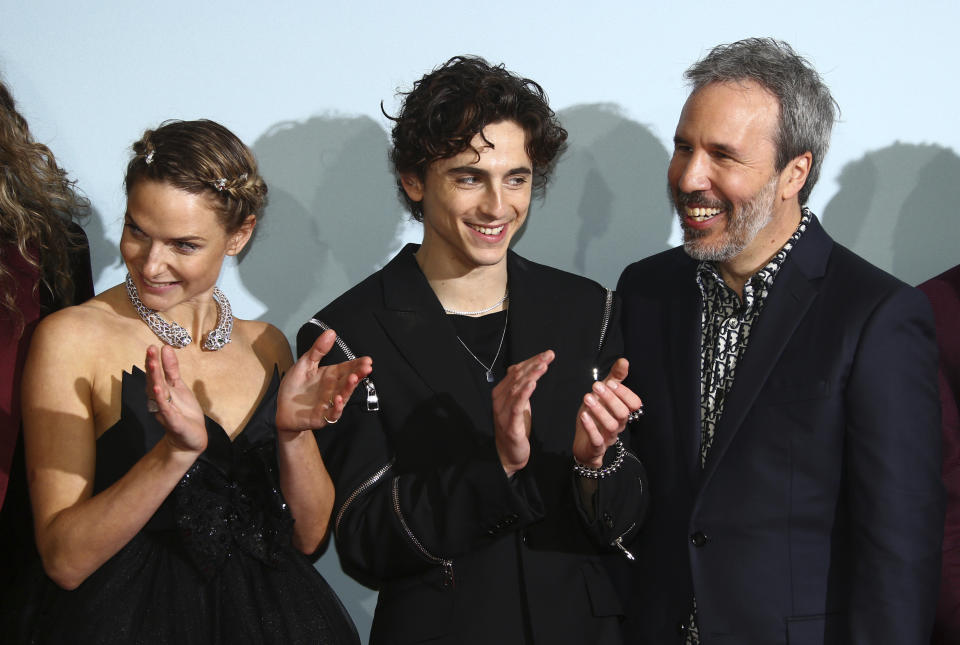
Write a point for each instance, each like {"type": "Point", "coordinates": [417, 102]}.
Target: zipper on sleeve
{"type": "Point", "coordinates": [607, 308]}
{"type": "Point", "coordinates": [619, 541]}
{"type": "Point", "coordinates": [619, 544]}
{"type": "Point", "coordinates": [373, 402]}
{"type": "Point", "coordinates": [359, 490]}
{"type": "Point", "coordinates": [448, 580]}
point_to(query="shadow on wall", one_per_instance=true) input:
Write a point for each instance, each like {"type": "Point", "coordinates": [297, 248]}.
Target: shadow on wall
{"type": "Point", "coordinates": [104, 254]}
{"type": "Point", "coordinates": [331, 221]}
{"type": "Point", "coordinates": [331, 217]}
{"type": "Point", "coordinates": [606, 205]}
{"type": "Point", "coordinates": [895, 207]}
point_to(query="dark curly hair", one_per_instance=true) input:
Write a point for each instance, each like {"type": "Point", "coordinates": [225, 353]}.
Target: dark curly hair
{"type": "Point", "coordinates": [449, 106]}
{"type": "Point", "coordinates": [201, 157]}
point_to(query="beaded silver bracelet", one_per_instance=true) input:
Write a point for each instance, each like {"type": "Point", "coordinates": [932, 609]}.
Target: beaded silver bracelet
{"type": "Point", "coordinates": [604, 471]}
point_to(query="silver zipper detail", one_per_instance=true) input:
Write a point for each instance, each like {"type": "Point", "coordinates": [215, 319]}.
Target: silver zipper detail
{"type": "Point", "coordinates": [607, 308]}
{"type": "Point", "coordinates": [446, 564]}
{"type": "Point", "coordinates": [373, 479]}
{"type": "Point", "coordinates": [619, 543]}
{"type": "Point", "coordinates": [373, 402]}
{"type": "Point", "coordinates": [340, 342]}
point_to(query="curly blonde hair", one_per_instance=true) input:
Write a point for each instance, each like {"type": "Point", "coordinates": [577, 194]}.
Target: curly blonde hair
{"type": "Point", "coordinates": [38, 202]}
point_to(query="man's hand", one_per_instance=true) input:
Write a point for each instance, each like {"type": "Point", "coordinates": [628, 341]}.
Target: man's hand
{"type": "Point", "coordinates": [604, 415]}
{"type": "Point", "coordinates": [511, 410]}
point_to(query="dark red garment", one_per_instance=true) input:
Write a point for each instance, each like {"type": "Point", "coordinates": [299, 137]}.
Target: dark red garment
{"type": "Point", "coordinates": [17, 548]}
{"type": "Point", "coordinates": [33, 304]}
{"type": "Point", "coordinates": [944, 294]}
{"type": "Point", "coordinates": [13, 353]}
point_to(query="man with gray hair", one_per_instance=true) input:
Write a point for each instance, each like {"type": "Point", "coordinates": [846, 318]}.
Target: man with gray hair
{"type": "Point", "coordinates": [792, 428]}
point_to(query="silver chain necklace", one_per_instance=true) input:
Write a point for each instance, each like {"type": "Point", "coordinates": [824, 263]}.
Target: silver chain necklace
{"type": "Point", "coordinates": [176, 336]}
{"type": "Point", "coordinates": [489, 370]}
{"type": "Point", "coordinates": [479, 312]}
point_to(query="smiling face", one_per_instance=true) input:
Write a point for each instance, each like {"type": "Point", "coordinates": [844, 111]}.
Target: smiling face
{"type": "Point", "coordinates": [173, 244]}
{"type": "Point", "coordinates": [472, 207]}
{"type": "Point", "coordinates": [704, 240]}
{"type": "Point", "coordinates": [722, 178]}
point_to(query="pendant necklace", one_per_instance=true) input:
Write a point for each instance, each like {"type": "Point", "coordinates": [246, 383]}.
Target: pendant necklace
{"type": "Point", "coordinates": [176, 336]}
{"type": "Point", "coordinates": [489, 370]}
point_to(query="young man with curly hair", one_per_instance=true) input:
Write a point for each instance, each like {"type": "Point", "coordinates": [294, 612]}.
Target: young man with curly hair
{"type": "Point", "coordinates": [481, 476]}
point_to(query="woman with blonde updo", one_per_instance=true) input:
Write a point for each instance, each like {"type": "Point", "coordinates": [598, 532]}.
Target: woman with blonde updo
{"type": "Point", "coordinates": [177, 488]}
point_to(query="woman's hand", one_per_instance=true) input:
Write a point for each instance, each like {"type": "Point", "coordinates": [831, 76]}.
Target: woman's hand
{"type": "Point", "coordinates": [174, 404]}
{"type": "Point", "coordinates": [311, 395]}
{"type": "Point", "coordinates": [603, 415]}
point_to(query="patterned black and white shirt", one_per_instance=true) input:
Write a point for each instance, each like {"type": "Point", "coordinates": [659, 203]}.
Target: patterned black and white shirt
{"type": "Point", "coordinates": [725, 324]}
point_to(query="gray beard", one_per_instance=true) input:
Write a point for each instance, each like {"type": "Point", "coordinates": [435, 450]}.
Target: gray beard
{"type": "Point", "coordinates": [741, 229]}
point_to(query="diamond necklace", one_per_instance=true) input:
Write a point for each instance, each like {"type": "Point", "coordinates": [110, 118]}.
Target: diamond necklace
{"type": "Point", "coordinates": [506, 294]}
{"type": "Point", "coordinates": [489, 370]}
{"type": "Point", "coordinates": [176, 336]}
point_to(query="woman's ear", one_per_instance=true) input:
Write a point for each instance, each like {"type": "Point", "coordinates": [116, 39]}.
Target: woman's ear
{"type": "Point", "coordinates": [240, 238]}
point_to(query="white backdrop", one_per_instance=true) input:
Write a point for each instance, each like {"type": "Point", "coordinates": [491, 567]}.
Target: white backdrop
{"type": "Point", "coordinates": [302, 83]}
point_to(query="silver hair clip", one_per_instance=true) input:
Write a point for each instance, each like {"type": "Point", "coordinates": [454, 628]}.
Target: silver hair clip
{"type": "Point", "coordinates": [149, 158]}
{"type": "Point", "coordinates": [220, 184]}
{"type": "Point", "coordinates": [243, 177]}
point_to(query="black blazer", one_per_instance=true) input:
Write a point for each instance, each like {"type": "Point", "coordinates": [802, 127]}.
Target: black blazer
{"type": "Point", "coordinates": [819, 514]}
{"type": "Point", "coordinates": [424, 511]}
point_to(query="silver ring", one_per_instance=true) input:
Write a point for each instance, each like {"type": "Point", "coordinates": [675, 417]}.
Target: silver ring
{"type": "Point", "coordinates": [169, 398]}
{"type": "Point", "coordinates": [328, 420]}
{"type": "Point", "coordinates": [152, 406]}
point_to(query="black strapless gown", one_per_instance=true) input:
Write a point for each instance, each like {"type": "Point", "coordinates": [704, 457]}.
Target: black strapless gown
{"type": "Point", "coordinates": [215, 563]}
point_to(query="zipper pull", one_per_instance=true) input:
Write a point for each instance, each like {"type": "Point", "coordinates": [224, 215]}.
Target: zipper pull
{"type": "Point", "coordinates": [619, 544]}
{"type": "Point", "coordinates": [448, 581]}
{"type": "Point", "coordinates": [373, 403]}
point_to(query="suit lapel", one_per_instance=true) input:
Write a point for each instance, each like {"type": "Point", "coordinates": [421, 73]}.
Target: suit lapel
{"type": "Point", "coordinates": [794, 289]}
{"type": "Point", "coordinates": [683, 323]}
{"type": "Point", "coordinates": [531, 329]}
{"type": "Point", "coordinates": [414, 320]}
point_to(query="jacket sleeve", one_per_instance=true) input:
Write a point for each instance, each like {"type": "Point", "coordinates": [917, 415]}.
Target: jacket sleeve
{"type": "Point", "coordinates": [613, 514]}
{"type": "Point", "coordinates": [390, 522]}
{"type": "Point", "coordinates": [947, 625]}
{"type": "Point", "coordinates": [944, 295]}
{"type": "Point", "coordinates": [894, 493]}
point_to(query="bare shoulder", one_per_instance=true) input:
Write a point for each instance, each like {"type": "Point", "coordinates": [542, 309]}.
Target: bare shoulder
{"type": "Point", "coordinates": [71, 341]}
{"type": "Point", "coordinates": [80, 324]}
{"type": "Point", "coordinates": [268, 342]}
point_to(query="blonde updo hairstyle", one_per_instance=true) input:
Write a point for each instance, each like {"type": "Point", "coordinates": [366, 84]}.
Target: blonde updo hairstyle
{"type": "Point", "coordinates": [201, 157]}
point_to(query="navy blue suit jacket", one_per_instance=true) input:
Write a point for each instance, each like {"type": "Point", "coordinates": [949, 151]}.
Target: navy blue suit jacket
{"type": "Point", "coordinates": [819, 514]}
